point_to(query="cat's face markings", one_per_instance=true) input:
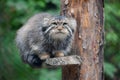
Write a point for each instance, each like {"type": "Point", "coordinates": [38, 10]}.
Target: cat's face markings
{"type": "Point", "coordinates": [58, 27]}
{"type": "Point", "coordinates": [44, 29]}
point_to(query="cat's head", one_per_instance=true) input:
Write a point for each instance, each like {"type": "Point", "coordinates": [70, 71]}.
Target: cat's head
{"type": "Point", "coordinates": [59, 27]}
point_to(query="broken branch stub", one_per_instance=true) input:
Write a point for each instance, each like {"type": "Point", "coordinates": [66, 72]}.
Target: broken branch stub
{"type": "Point", "coordinates": [63, 61]}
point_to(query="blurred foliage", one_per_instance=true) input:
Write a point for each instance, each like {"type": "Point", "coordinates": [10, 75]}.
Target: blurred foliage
{"type": "Point", "coordinates": [14, 13]}
{"type": "Point", "coordinates": [112, 38]}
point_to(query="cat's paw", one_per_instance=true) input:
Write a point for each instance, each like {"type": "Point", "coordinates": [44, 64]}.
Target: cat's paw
{"type": "Point", "coordinates": [59, 54]}
{"type": "Point", "coordinates": [44, 56]}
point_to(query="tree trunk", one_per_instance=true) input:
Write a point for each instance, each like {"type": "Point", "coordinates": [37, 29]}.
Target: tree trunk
{"type": "Point", "coordinates": [89, 39]}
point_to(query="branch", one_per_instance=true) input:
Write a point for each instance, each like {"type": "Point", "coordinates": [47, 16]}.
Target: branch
{"type": "Point", "coordinates": [62, 61]}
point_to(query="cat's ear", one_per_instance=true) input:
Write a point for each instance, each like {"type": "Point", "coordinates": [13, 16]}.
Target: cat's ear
{"type": "Point", "coordinates": [45, 21]}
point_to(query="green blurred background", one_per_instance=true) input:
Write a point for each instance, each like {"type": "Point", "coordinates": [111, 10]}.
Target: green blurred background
{"type": "Point", "coordinates": [14, 13]}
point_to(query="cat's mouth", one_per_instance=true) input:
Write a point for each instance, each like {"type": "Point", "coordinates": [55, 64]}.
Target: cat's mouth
{"type": "Point", "coordinates": [60, 33]}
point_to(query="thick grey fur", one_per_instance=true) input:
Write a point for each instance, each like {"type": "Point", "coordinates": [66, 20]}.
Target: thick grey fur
{"type": "Point", "coordinates": [33, 40]}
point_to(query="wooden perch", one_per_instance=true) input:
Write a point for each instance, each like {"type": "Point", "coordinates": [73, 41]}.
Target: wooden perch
{"type": "Point", "coordinates": [62, 61]}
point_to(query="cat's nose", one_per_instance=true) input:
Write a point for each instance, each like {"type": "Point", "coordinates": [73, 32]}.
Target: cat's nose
{"type": "Point", "coordinates": [60, 28]}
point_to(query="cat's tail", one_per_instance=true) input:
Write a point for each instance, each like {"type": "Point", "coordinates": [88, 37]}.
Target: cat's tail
{"type": "Point", "coordinates": [33, 60]}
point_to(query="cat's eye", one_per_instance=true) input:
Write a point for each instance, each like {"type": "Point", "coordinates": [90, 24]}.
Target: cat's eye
{"type": "Point", "coordinates": [64, 23]}
{"type": "Point", "coordinates": [54, 23]}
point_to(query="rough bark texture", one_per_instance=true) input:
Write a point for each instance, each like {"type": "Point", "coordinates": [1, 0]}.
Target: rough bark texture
{"type": "Point", "coordinates": [62, 61]}
{"type": "Point", "coordinates": [88, 40]}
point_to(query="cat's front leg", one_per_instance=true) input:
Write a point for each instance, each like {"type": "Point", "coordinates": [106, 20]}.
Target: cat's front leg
{"type": "Point", "coordinates": [41, 53]}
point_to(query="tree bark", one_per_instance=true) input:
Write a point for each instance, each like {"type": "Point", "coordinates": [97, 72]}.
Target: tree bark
{"type": "Point", "coordinates": [62, 61]}
{"type": "Point", "coordinates": [89, 39]}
